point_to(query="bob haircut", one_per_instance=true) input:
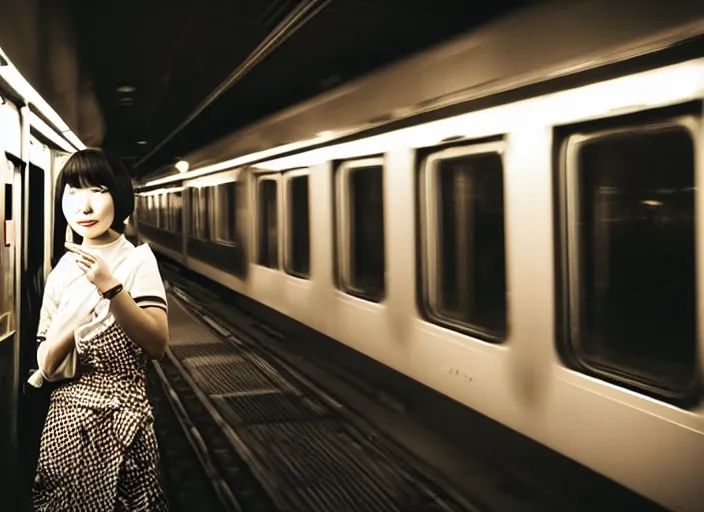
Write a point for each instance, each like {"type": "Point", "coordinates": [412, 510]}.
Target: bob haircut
{"type": "Point", "coordinates": [92, 168]}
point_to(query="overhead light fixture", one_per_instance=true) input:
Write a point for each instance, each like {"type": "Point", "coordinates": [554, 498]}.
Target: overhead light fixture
{"type": "Point", "coordinates": [20, 86]}
{"type": "Point", "coordinates": [36, 122]}
{"type": "Point", "coordinates": [182, 166]}
{"type": "Point", "coordinates": [142, 142]}
{"type": "Point", "coordinates": [71, 137]}
{"type": "Point", "coordinates": [126, 89]}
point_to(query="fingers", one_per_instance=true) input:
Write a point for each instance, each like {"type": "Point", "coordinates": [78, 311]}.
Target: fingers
{"type": "Point", "coordinates": [73, 247]}
{"type": "Point", "coordinates": [76, 248]}
{"type": "Point", "coordinates": [84, 265]}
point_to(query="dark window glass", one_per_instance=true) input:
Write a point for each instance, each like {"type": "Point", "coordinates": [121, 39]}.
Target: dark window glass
{"type": "Point", "coordinates": [366, 232]}
{"type": "Point", "coordinates": [199, 213]}
{"type": "Point", "coordinates": [300, 226]}
{"type": "Point", "coordinates": [177, 211]}
{"type": "Point", "coordinates": [471, 279]}
{"type": "Point", "coordinates": [226, 212]}
{"type": "Point", "coordinates": [635, 301]}
{"type": "Point", "coordinates": [268, 225]}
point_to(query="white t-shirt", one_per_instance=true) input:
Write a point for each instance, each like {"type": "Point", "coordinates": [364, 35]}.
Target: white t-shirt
{"type": "Point", "coordinates": [147, 289]}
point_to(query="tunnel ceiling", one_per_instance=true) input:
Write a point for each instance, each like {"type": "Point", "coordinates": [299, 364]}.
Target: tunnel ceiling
{"type": "Point", "coordinates": [153, 63]}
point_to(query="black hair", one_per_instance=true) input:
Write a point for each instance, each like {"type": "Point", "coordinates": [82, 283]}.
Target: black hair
{"type": "Point", "coordinates": [92, 168]}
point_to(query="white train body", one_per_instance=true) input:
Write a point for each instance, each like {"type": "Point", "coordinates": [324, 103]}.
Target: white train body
{"type": "Point", "coordinates": [531, 362]}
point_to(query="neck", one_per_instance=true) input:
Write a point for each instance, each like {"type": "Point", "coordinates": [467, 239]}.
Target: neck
{"type": "Point", "coordinates": [107, 237]}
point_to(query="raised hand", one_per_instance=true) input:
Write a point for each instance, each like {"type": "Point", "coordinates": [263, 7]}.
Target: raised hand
{"type": "Point", "coordinates": [94, 268]}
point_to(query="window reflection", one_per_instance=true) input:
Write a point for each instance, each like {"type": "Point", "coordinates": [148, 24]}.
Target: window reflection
{"type": "Point", "coordinates": [636, 309]}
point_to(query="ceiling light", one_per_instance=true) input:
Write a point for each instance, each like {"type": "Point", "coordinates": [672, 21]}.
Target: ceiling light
{"type": "Point", "coordinates": [142, 142]}
{"type": "Point", "coordinates": [21, 87]}
{"type": "Point", "coordinates": [36, 122]}
{"type": "Point", "coordinates": [126, 89]}
{"type": "Point", "coordinates": [182, 166]}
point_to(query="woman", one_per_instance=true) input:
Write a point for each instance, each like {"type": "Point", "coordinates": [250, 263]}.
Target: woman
{"type": "Point", "coordinates": [103, 316]}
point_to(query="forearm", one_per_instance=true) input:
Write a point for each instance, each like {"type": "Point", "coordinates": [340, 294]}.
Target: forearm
{"type": "Point", "coordinates": [142, 328]}
{"type": "Point", "coordinates": [57, 347]}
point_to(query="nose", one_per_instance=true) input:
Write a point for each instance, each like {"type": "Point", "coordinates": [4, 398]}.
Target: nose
{"type": "Point", "coordinates": [84, 204]}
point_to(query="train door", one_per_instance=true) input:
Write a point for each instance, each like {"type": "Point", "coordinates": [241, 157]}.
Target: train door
{"type": "Point", "coordinates": [10, 222]}
{"type": "Point", "coordinates": [33, 404]}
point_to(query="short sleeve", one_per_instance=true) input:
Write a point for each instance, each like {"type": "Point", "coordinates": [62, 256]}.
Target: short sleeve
{"type": "Point", "coordinates": [148, 288]}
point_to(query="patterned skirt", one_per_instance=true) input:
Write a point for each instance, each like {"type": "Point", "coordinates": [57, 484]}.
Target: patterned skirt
{"type": "Point", "coordinates": [97, 459]}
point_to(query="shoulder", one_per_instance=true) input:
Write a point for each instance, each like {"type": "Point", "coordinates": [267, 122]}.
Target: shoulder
{"type": "Point", "coordinates": [145, 255]}
{"type": "Point", "coordinates": [148, 269]}
{"type": "Point", "coordinates": [136, 255]}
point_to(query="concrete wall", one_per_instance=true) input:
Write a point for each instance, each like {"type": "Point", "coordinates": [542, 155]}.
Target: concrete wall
{"type": "Point", "coordinates": [39, 36]}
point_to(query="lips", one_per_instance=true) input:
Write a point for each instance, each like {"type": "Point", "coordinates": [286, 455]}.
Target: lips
{"type": "Point", "coordinates": [87, 223]}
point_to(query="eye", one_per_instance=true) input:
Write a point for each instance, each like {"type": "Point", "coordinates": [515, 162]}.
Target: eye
{"type": "Point", "coordinates": [99, 190]}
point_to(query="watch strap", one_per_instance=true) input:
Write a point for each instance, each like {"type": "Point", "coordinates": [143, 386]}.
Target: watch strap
{"type": "Point", "coordinates": [112, 292]}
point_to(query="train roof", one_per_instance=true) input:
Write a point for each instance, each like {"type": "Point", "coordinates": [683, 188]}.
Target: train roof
{"type": "Point", "coordinates": [547, 41]}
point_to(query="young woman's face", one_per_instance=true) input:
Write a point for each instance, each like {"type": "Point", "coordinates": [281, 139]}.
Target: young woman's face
{"type": "Point", "coordinates": [89, 211]}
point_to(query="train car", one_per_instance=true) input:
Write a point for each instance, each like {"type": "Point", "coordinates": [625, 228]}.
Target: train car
{"type": "Point", "coordinates": [508, 218]}
{"type": "Point", "coordinates": [34, 143]}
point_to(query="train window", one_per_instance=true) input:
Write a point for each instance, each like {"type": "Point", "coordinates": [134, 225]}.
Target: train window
{"type": "Point", "coordinates": [176, 211]}
{"type": "Point", "coordinates": [199, 213]}
{"type": "Point", "coordinates": [160, 210]}
{"type": "Point", "coordinates": [169, 211]}
{"type": "Point", "coordinates": [268, 223]}
{"type": "Point", "coordinates": [165, 211]}
{"type": "Point", "coordinates": [362, 265]}
{"type": "Point", "coordinates": [168, 204]}
{"type": "Point", "coordinates": [630, 208]}
{"type": "Point", "coordinates": [140, 208]}
{"type": "Point", "coordinates": [203, 208]}
{"type": "Point", "coordinates": [226, 212]}
{"type": "Point", "coordinates": [144, 214]}
{"type": "Point", "coordinates": [147, 202]}
{"type": "Point", "coordinates": [160, 213]}
{"type": "Point", "coordinates": [298, 233]}
{"type": "Point", "coordinates": [157, 210]}
{"type": "Point", "coordinates": [152, 209]}
{"type": "Point", "coordinates": [463, 219]}
{"type": "Point", "coordinates": [194, 212]}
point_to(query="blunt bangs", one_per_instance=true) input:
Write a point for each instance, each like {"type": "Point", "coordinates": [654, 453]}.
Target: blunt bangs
{"type": "Point", "coordinates": [86, 169]}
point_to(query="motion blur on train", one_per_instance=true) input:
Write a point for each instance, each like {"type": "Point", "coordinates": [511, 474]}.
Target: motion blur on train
{"type": "Point", "coordinates": [508, 219]}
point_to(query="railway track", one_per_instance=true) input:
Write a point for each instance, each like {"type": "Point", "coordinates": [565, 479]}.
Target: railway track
{"type": "Point", "coordinates": [290, 447]}
{"type": "Point", "coordinates": [222, 479]}
{"type": "Point", "coordinates": [186, 482]}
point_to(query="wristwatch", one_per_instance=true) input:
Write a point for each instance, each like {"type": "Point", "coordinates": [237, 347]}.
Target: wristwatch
{"type": "Point", "coordinates": [112, 292]}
